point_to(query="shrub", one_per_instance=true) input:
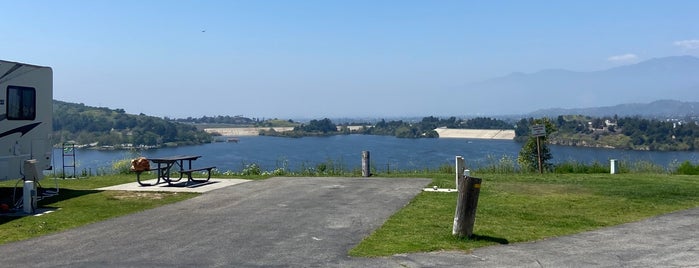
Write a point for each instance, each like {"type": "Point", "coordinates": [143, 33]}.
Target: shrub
{"type": "Point", "coordinates": [578, 167]}
{"type": "Point", "coordinates": [251, 170]}
{"type": "Point", "coordinates": [322, 168]}
{"type": "Point", "coordinates": [503, 165]}
{"type": "Point", "coordinates": [446, 169]}
{"type": "Point", "coordinates": [279, 172]}
{"type": "Point", "coordinates": [646, 167]}
{"type": "Point", "coordinates": [686, 168]}
{"type": "Point", "coordinates": [122, 166]}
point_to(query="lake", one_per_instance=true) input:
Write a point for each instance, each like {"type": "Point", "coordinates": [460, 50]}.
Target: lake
{"type": "Point", "coordinates": [346, 150]}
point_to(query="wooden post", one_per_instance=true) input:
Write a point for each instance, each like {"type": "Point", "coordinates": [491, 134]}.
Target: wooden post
{"type": "Point", "coordinates": [366, 170]}
{"type": "Point", "coordinates": [466, 204]}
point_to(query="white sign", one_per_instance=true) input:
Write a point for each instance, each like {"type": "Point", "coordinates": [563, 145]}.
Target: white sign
{"type": "Point", "coordinates": [538, 130]}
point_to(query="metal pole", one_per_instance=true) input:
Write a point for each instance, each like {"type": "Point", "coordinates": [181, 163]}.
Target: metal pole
{"type": "Point", "coordinates": [366, 170]}
{"type": "Point", "coordinates": [538, 152]}
{"type": "Point", "coordinates": [460, 166]}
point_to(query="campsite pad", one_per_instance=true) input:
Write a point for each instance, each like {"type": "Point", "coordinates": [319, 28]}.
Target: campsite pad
{"type": "Point", "coordinates": [297, 222]}
{"type": "Point", "coordinates": [182, 186]}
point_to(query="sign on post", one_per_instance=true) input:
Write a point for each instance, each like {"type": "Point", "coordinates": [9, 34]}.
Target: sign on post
{"type": "Point", "coordinates": [538, 130]}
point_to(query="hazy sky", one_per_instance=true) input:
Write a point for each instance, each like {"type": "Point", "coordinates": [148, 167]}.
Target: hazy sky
{"type": "Point", "coordinates": [314, 59]}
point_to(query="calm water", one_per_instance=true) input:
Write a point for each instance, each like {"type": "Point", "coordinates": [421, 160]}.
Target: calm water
{"type": "Point", "coordinates": [386, 153]}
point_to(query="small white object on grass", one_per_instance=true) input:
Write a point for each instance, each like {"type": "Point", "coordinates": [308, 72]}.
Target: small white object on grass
{"type": "Point", "coordinates": [435, 187]}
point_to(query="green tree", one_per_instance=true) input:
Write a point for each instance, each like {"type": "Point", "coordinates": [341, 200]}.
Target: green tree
{"type": "Point", "coordinates": [487, 123]}
{"type": "Point", "coordinates": [522, 129]}
{"type": "Point", "coordinates": [318, 126]}
{"type": "Point", "coordinates": [528, 156]}
{"type": "Point", "coordinates": [405, 132]}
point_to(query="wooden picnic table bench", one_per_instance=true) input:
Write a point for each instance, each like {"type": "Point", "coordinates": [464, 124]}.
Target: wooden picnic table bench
{"type": "Point", "coordinates": [164, 168]}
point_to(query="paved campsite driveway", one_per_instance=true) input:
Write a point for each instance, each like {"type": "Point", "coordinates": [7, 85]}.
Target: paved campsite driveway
{"type": "Point", "coordinates": [275, 222]}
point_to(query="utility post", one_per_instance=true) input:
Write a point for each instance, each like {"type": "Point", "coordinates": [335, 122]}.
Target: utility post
{"type": "Point", "coordinates": [366, 162]}
{"type": "Point", "coordinates": [467, 201]}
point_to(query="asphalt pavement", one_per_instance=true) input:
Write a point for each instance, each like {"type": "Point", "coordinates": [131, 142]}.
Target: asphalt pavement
{"type": "Point", "coordinates": [278, 222]}
{"type": "Point", "coordinates": [314, 222]}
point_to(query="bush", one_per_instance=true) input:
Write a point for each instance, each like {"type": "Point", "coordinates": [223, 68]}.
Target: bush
{"type": "Point", "coordinates": [446, 169]}
{"type": "Point", "coordinates": [686, 168]}
{"type": "Point", "coordinates": [121, 166]}
{"type": "Point", "coordinates": [577, 167]}
{"type": "Point", "coordinates": [252, 170]}
{"type": "Point", "coordinates": [278, 172]}
{"type": "Point", "coordinates": [503, 165]}
{"type": "Point", "coordinates": [646, 167]}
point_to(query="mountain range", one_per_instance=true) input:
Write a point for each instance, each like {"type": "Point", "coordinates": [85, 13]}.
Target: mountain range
{"type": "Point", "coordinates": [656, 109]}
{"type": "Point", "coordinates": [668, 78]}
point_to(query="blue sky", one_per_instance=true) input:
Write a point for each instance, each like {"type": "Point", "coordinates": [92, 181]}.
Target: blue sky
{"type": "Point", "coordinates": [314, 59]}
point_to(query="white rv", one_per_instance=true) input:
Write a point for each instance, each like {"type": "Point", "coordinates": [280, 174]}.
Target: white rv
{"type": "Point", "coordinates": [26, 113]}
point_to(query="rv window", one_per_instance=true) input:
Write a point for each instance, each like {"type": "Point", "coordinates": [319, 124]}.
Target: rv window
{"type": "Point", "coordinates": [21, 103]}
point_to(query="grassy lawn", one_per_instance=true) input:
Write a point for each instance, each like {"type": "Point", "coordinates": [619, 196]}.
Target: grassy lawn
{"type": "Point", "coordinates": [517, 208]}
{"type": "Point", "coordinates": [79, 204]}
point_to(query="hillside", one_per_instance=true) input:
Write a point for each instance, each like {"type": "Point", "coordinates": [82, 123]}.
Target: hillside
{"type": "Point", "coordinates": [113, 128]}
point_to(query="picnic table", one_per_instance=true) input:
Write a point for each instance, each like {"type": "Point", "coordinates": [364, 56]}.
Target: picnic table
{"type": "Point", "coordinates": [165, 165]}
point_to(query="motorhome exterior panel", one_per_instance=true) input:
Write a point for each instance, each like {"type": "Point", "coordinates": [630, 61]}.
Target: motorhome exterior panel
{"type": "Point", "coordinates": [26, 114]}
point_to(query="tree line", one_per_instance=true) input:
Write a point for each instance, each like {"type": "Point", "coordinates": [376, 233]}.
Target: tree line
{"type": "Point", "coordinates": [424, 128]}
{"type": "Point", "coordinates": [220, 119]}
{"type": "Point", "coordinates": [103, 126]}
{"type": "Point", "coordinates": [634, 133]}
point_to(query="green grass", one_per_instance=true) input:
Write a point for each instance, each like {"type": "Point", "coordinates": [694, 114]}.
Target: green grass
{"type": "Point", "coordinates": [79, 204]}
{"type": "Point", "coordinates": [518, 207]}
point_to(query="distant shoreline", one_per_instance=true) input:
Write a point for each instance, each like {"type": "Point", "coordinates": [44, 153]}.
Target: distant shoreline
{"type": "Point", "coordinates": [488, 134]}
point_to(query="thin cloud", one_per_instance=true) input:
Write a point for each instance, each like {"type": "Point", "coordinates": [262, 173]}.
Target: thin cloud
{"type": "Point", "coordinates": [623, 58]}
{"type": "Point", "coordinates": [688, 44]}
